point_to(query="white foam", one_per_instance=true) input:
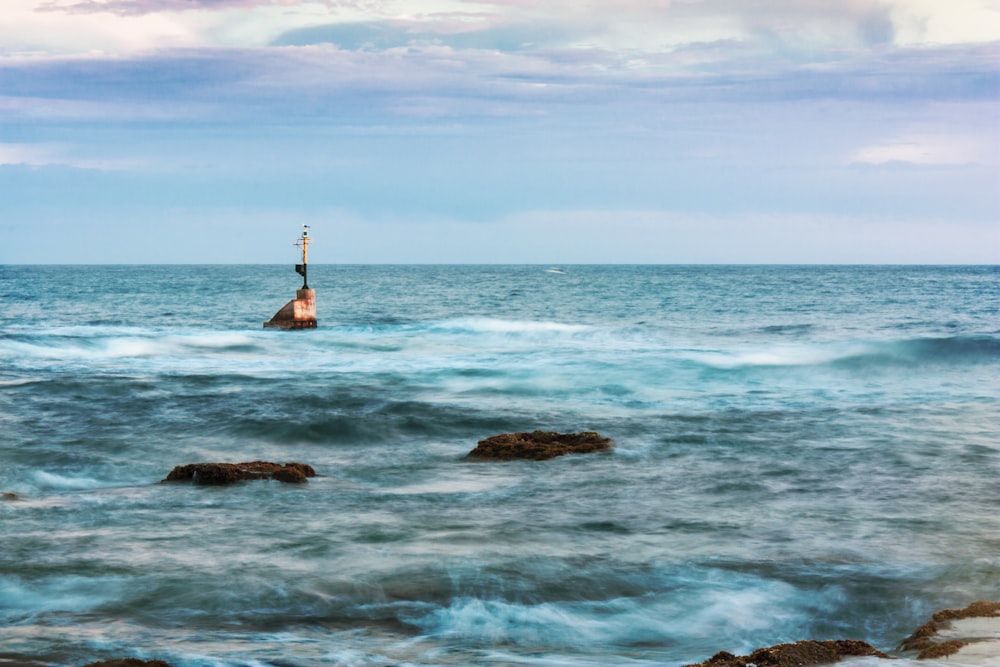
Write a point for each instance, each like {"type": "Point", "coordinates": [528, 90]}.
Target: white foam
{"type": "Point", "coordinates": [53, 481]}
{"type": "Point", "coordinates": [786, 355]}
{"type": "Point", "coordinates": [493, 325]}
{"type": "Point", "coordinates": [622, 621]}
{"type": "Point", "coordinates": [70, 593]}
{"type": "Point", "coordinates": [449, 486]}
{"type": "Point", "coordinates": [18, 382]}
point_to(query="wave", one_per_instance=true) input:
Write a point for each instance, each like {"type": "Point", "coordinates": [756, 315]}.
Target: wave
{"type": "Point", "coordinates": [856, 355]}
{"type": "Point", "coordinates": [672, 609]}
{"type": "Point", "coordinates": [919, 351]}
{"type": "Point", "coordinates": [24, 599]}
{"type": "Point", "coordinates": [85, 344]}
{"type": "Point", "coordinates": [48, 480]}
{"type": "Point", "coordinates": [503, 326]}
{"type": "Point", "coordinates": [324, 421]}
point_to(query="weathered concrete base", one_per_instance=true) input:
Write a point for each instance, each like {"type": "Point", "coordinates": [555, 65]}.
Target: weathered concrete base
{"type": "Point", "coordinates": [299, 313]}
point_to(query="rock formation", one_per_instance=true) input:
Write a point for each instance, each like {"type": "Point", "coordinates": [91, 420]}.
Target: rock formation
{"type": "Point", "coordinates": [538, 445]}
{"type": "Point", "coordinates": [942, 636]}
{"type": "Point", "coordinates": [928, 641]}
{"type": "Point", "coordinates": [127, 662]}
{"type": "Point", "coordinates": [798, 654]}
{"type": "Point", "coordinates": [228, 473]}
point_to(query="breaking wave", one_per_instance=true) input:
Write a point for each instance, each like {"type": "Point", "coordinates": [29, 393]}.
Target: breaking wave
{"type": "Point", "coordinates": [858, 355]}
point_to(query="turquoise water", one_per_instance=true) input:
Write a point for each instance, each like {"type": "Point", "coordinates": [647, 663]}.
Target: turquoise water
{"type": "Point", "coordinates": [801, 452]}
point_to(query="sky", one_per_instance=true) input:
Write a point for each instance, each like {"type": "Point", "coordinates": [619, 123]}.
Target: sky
{"type": "Point", "coordinates": [503, 131]}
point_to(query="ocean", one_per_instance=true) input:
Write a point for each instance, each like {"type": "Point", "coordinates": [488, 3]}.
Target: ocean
{"type": "Point", "coordinates": [801, 452]}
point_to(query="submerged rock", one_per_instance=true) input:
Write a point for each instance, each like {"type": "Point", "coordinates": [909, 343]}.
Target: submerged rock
{"type": "Point", "coordinates": [127, 662]}
{"type": "Point", "coordinates": [939, 637]}
{"type": "Point", "coordinates": [538, 445]}
{"type": "Point", "coordinates": [797, 654]}
{"type": "Point", "coordinates": [8, 495]}
{"type": "Point", "coordinates": [229, 473]}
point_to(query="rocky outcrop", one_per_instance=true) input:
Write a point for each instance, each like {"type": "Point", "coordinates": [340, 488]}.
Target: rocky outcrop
{"type": "Point", "coordinates": [127, 662]}
{"type": "Point", "coordinates": [940, 637]}
{"type": "Point", "coordinates": [229, 473]}
{"type": "Point", "coordinates": [538, 445]}
{"type": "Point", "coordinates": [928, 641]}
{"type": "Point", "coordinates": [798, 654]}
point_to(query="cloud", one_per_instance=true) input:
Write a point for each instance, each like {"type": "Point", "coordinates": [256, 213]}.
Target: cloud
{"type": "Point", "coordinates": [25, 154]}
{"type": "Point", "coordinates": [141, 7]}
{"type": "Point", "coordinates": [63, 155]}
{"type": "Point", "coordinates": [953, 22]}
{"type": "Point", "coordinates": [486, 122]}
{"type": "Point", "coordinates": [330, 84]}
{"type": "Point", "coordinates": [791, 28]}
{"type": "Point", "coordinates": [479, 35]}
{"type": "Point", "coordinates": [939, 150]}
{"type": "Point", "coordinates": [637, 26]}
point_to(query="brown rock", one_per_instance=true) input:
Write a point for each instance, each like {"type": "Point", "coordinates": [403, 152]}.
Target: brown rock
{"type": "Point", "coordinates": [127, 662]}
{"type": "Point", "coordinates": [7, 495]}
{"type": "Point", "coordinates": [724, 659]}
{"type": "Point", "coordinates": [228, 473]}
{"type": "Point", "coordinates": [538, 445]}
{"type": "Point", "coordinates": [798, 654]}
{"type": "Point", "coordinates": [941, 650]}
{"type": "Point", "coordinates": [925, 638]}
{"type": "Point", "coordinates": [978, 609]}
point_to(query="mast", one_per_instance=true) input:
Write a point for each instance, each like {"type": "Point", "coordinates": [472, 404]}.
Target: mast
{"type": "Point", "coordinates": [302, 269]}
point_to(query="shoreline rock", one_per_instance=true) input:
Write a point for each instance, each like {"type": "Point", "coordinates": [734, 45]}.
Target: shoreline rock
{"type": "Point", "coordinates": [128, 662]}
{"type": "Point", "coordinates": [538, 445]}
{"type": "Point", "coordinates": [928, 642]}
{"type": "Point", "coordinates": [943, 636]}
{"type": "Point", "coordinates": [230, 473]}
{"type": "Point", "coordinates": [797, 654]}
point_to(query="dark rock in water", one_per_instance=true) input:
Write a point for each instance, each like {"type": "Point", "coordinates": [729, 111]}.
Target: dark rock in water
{"type": "Point", "coordinates": [723, 659]}
{"type": "Point", "coordinates": [926, 640]}
{"type": "Point", "coordinates": [798, 654]}
{"type": "Point", "coordinates": [7, 495]}
{"type": "Point", "coordinates": [538, 445]}
{"type": "Point", "coordinates": [228, 473]}
{"type": "Point", "coordinates": [930, 645]}
{"type": "Point", "coordinates": [127, 662]}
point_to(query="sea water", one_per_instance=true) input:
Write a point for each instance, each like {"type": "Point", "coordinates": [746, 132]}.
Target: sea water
{"type": "Point", "coordinates": [800, 452]}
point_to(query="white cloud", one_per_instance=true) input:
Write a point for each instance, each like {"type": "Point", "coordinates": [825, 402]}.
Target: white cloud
{"type": "Point", "coordinates": [26, 29]}
{"type": "Point", "coordinates": [26, 154]}
{"type": "Point", "coordinates": [950, 22]}
{"type": "Point", "coordinates": [788, 26]}
{"type": "Point", "coordinates": [939, 149]}
{"type": "Point", "coordinates": [42, 155]}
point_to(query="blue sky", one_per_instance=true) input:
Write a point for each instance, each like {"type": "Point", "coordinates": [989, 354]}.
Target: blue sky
{"type": "Point", "coordinates": [556, 131]}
